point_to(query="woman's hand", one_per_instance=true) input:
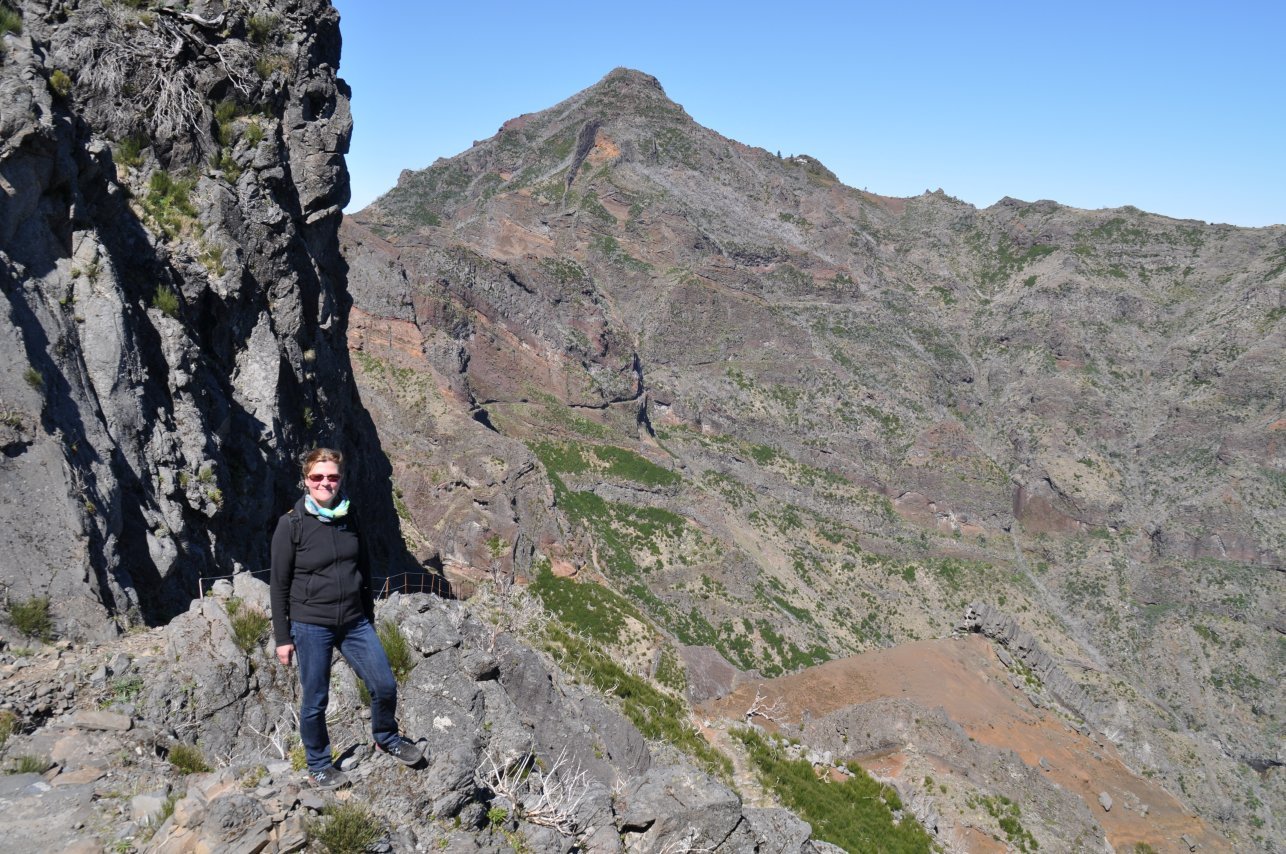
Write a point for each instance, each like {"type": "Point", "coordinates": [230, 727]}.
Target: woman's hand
{"type": "Point", "coordinates": [284, 652]}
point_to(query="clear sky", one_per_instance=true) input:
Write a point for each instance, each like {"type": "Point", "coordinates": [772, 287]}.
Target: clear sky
{"type": "Point", "coordinates": [1178, 108]}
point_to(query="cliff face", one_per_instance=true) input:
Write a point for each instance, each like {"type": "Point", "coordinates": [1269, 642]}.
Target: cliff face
{"type": "Point", "coordinates": [793, 421]}
{"type": "Point", "coordinates": [174, 300]}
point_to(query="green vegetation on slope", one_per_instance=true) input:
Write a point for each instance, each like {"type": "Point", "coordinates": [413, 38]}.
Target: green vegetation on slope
{"type": "Point", "coordinates": [857, 814]}
{"type": "Point", "coordinates": [657, 713]}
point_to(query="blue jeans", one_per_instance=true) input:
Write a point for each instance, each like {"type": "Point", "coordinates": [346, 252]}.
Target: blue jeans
{"type": "Point", "coordinates": [361, 648]}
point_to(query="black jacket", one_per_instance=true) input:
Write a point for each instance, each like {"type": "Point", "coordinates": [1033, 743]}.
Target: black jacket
{"type": "Point", "coordinates": [325, 579]}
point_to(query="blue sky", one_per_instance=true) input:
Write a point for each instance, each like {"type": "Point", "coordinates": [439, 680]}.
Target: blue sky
{"type": "Point", "coordinates": [1177, 108]}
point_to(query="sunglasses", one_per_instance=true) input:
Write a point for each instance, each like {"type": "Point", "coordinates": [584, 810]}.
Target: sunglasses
{"type": "Point", "coordinates": [318, 478]}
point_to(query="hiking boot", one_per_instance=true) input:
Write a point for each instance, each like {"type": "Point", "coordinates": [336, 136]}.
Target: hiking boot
{"type": "Point", "coordinates": [402, 749]}
{"type": "Point", "coordinates": [329, 777]}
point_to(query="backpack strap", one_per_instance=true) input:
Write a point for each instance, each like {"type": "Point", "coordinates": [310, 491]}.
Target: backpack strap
{"type": "Point", "coordinates": [296, 527]}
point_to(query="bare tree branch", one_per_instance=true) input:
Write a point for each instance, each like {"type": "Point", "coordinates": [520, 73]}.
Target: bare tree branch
{"type": "Point", "coordinates": [760, 708]}
{"type": "Point", "coordinates": [544, 797]}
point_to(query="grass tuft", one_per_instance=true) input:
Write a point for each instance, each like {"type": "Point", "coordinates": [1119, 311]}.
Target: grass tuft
{"type": "Point", "coordinates": [399, 653]}
{"type": "Point", "coordinates": [27, 764]}
{"type": "Point", "coordinates": [345, 828]}
{"type": "Point", "coordinates": [32, 618]}
{"type": "Point", "coordinates": [249, 625]}
{"type": "Point", "coordinates": [8, 726]}
{"type": "Point", "coordinates": [166, 301]}
{"type": "Point", "coordinates": [10, 20]}
{"type": "Point", "coordinates": [188, 759]}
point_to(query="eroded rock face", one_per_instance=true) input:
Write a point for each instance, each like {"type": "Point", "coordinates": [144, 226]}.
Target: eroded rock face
{"type": "Point", "coordinates": [175, 309]}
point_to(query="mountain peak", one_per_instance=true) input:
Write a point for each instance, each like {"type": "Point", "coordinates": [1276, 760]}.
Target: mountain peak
{"type": "Point", "coordinates": [622, 77]}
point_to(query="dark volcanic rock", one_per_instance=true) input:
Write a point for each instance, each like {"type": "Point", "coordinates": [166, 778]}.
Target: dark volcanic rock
{"type": "Point", "coordinates": [175, 306]}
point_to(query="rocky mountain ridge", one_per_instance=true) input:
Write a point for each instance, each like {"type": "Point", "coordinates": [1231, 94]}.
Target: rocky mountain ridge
{"type": "Point", "coordinates": [790, 421]}
{"type": "Point", "coordinates": [113, 772]}
{"type": "Point", "coordinates": [725, 417]}
{"type": "Point", "coordinates": [173, 179]}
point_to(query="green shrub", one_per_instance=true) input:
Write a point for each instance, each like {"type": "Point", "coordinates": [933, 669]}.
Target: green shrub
{"type": "Point", "coordinates": [345, 828]}
{"type": "Point", "coordinates": [125, 689]}
{"type": "Point", "coordinates": [259, 28]}
{"type": "Point", "coordinates": [169, 202]}
{"type": "Point", "coordinates": [34, 378]}
{"type": "Point", "coordinates": [249, 625]}
{"type": "Point", "coordinates": [398, 651]}
{"type": "Point", "coordinates": [254, 133]}
{"type": "Point", "coordinates": [856, 815]}
{"type": "Point", "coordinates": [1007, 815]}
{"type": "Point", "coordinates": [266, 66]}
{"type": "Point", "coordinates": [32, 618]}
{"type": "Point", "coordinates": [188, 759]}
{"type": "Point", "coordinates": [10, 20]}
{"type": "Point", "coordinates": [60, 83]}
{"type": "Point", "coordinates": [401, 659]}
{"type": "Point", "coordinates": [129, 151]}
{"type": "Point", "coordinates": [225, 114]}
{"type": "Point", "coordinates": [224, 163]}
{"type": "Point", "coordinates": [166, 301]}
{"type": "Point", "coordinates": [298, 758]}
{"type": "Point", "coordinates": [8, 725]}
{"type": "Point", "coordinates": [27, 764]}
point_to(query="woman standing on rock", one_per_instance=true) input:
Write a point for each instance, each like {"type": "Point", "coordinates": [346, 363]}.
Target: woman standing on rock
{"type": "Point", "coordinates": [322, 601]}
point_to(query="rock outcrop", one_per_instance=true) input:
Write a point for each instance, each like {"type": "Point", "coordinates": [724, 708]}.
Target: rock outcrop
{"type": "Point", "coordinates": [175, 309]}
{"type": "Point", "coordinates": [1003, 629]}
{"type": "Point", "coordinates": [492, 715]}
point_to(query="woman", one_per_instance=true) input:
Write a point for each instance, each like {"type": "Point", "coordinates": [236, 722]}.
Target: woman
{"type": "Point", "coordinates": [321, 601]}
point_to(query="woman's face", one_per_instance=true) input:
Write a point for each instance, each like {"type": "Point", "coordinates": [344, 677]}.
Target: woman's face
{"type": "Point", "coordinates": [323, 481]}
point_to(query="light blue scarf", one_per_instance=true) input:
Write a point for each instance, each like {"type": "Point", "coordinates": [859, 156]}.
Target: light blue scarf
{"type": "Point", "coordinates": [326, 514]}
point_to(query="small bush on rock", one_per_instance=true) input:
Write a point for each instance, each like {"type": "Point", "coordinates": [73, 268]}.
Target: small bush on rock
{"type": "Point", "coordinates": [27, 764]}
{"type": "Point", "coordinates": [398, 651]}
{"type": "Point", "coordinates": [166, 301]}
{"type": "Point", "coordinates": [347, 828]}
{"type": "Point", "coordinates": [260, 27]}
{"type": "Point", "coordinates": [169, 202]}
{"type": "Point", "coordinates": [188, 759]}
{"type": "Point", "coordinates": [248, 628]}
{"type": "Point", "coordinates": [60, 83]}
{"type": "Point", "coordinates": [10, 20]}
{"type": "Point", "coordinates": [32, 617]}
{"type": "Point", "coordinates": [129, 151]}
{"type": "Point", "coordinates": [8, 725]}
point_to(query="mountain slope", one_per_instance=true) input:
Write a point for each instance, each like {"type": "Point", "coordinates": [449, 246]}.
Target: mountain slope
{"type": "Point", "coordinates": [792, 421]}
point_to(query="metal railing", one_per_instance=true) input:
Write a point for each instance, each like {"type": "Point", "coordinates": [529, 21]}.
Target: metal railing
{"type": "Point", "coordinates": [383, 585]}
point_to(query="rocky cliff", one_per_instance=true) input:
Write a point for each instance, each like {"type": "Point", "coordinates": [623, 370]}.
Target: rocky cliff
{"type": "Point", "coordinates": [175, 310]}
{"type": "Point", "coordinates": [790, 421]}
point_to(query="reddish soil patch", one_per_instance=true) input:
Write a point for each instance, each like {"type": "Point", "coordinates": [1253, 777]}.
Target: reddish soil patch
{"type": "Point", "coordinates": [964, 677]}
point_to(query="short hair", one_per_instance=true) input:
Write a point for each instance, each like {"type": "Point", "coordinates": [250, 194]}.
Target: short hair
{"type": "Point", "coordinates": [321, 455]}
